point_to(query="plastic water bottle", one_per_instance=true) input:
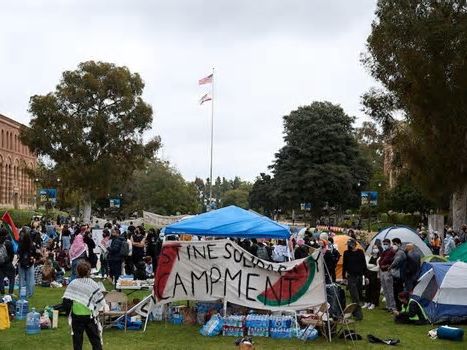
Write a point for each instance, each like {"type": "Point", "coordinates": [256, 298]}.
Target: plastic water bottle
{"type": "Point", "coordinates": [33, 322]}
{"type": "Point", "coordinates": [22, 293]}
{"type": "Point", "coordinates": [22, 309]}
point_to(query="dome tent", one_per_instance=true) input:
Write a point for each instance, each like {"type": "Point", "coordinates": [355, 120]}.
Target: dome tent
{"type": "Point", "coordinates": [441, 290]}
{"type": "Point", "coordinates": [405, 234]}
{"type": "Point", "coordinates": [459, 254]}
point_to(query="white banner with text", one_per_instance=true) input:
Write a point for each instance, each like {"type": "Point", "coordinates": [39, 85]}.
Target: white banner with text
{"type": "Point", "coordinates": [221, 269]}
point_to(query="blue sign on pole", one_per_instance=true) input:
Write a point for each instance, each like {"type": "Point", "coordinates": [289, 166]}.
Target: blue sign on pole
{"type": "Point", "coordinates": [48, 195]}
{"type": "Point", "coordinates": [115, 202]}
{"type": "Point", "coordinates": [369, 198]}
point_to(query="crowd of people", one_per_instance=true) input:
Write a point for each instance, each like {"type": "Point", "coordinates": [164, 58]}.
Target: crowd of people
{"type": "Point", "coordinates": [47, 249]}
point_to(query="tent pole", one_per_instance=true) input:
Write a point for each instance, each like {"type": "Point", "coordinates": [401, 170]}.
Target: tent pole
{"type": "Point", "coordinates": [225, 308]}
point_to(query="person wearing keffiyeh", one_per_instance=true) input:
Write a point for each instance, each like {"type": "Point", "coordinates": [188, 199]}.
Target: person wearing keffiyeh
{"type": "Point", "coordinates": [82, 302]}
{"type": "Point", "coordinates": [78, 251]}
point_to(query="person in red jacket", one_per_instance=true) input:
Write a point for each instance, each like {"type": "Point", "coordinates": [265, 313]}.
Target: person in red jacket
{"type": "Point", "coordinates": [385, 261]}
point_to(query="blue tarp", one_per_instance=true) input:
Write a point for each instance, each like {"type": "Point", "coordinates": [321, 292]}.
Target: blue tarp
{"type": "Point", "coordinates": [230, 222]}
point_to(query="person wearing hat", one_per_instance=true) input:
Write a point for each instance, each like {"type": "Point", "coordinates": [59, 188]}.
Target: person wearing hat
{"type": "Point", "coordinates": [353, 269]}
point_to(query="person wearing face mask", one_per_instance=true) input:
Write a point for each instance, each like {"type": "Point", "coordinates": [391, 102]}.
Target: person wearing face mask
{"type": "Point", "coordinates": [374, 285]}
{"type": "Point", "coordinates": [353, 269]}
{"type": "Point", "coordinates": [397, 269]}
{"type": "Point", "coordinates": [384, 262]}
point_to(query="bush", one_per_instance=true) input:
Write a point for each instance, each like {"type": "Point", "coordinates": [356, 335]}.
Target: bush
{"type": "Point", "coordinates": [23, 217]}
{"type": "Point", "coordinates": [20, 216]}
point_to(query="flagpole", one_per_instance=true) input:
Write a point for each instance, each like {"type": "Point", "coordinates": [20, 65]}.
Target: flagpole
{"type": "Point", "coordinates": [212, 137]}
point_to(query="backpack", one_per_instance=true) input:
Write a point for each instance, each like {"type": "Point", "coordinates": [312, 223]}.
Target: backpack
{"type": "Point", "coordinates": [3, 254]}
{"type": "Point", "coordinates": [124, 249]}
{"type": "Point", "coordinates": [262, 253]}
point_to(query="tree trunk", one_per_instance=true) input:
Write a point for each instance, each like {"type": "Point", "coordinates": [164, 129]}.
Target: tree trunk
{"type": "Point", "coordinates": [459, 208]}
{"type": "Point", "coordinates": [87, 209]}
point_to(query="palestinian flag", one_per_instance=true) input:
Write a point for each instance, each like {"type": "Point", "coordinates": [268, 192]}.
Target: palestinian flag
{"type": "Point", "coordinates": [12, 230]}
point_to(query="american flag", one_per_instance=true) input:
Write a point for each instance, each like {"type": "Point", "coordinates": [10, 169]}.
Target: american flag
{"type": "Point", "coordinates": [205, 80]}
{"type": "Point", "coordinates": [205, 98]}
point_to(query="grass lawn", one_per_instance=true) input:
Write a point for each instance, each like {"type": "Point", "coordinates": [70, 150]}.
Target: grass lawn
{"type": "Point", "coordinates": [161, 335]}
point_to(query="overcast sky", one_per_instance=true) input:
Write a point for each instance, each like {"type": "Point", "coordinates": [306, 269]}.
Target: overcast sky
{"type": "Point", "coordinates": [270, 57]}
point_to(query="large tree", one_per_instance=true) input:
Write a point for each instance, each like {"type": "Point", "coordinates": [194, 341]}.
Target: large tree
{"type": "Point", "coordinates": [91, 126]}
{"type": "Point", "coordinates": [161, 189]}
{"type": "Point", "coordinates": [321, 161]}
{"type": "Point", "coordinates": [417, 51]}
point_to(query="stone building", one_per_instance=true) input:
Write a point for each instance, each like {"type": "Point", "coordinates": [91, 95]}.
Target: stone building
{"type": "Point", "coordinates": [16, 188]}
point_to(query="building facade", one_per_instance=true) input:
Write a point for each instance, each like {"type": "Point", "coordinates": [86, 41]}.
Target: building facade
{"type": "Point", "coordinates": [17, 189]}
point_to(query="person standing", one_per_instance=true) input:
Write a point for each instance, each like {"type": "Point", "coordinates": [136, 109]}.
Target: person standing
{"type": "Point", "coordinates": [78, 252]}
{"type": "Point", "coordinates": [138, 242]}
{"type": "Point", "coordinates": [103, 245]}
{"type": "Point", "coordinates": [26, 263]}
{"type": "Point", "coordinates": [82, 302]}
{"type": "Point", "coordinates": [66, 238]}
{"type": "Point", "coordinates": [374, 285]}
{"type": "Point", "coordinates": [385, 261]}
{"type": "Point", "coordinates": [412, 269]}
{"type": "Point", "coordinates": [6, 262]}
{"type": "Point", "coordinates": [91, 245]}
{"type": "Point", "coordinates": [115, 257]}
{"type": "Point", "coordinates": [353, 269]}
{"type": "Point", "coordinates": [435, 243]}
{"type": "Point", "coordinates": [397, 269]}
{"type": "Point", "coordinates": [449, 244]}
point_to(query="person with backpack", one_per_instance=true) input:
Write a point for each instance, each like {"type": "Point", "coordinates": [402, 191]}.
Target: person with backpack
{"type": "Point", "coordinates": [6, 262]}
{"type": "Point", "coordinates": [263, 251]}
{"type": "Point", "coordinates": [26, 263]}
{"type": "Point", "coordinates": [118, 250]}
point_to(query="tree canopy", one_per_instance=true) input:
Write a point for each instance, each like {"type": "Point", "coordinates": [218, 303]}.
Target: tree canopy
{"type": "Point", "coordinates": [321, 161]}
{"type": "Point", "coordinates": [91, 126]}
{"type": "Point", "coordinates": [417, 51]}
{"type": "Point", "coordinates": [161, 189]}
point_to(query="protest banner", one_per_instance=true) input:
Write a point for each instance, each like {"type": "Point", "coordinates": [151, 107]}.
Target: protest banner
{"type": "Point", "coordinates": [160, 221]}
{"type": "Point", "coordinates": [221, 269]}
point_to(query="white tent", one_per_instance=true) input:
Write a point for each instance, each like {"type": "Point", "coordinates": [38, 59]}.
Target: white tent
{"type": "Point", "coordinates": [441, 290]}
{"type": "Point", "coordinates": [405, 234]}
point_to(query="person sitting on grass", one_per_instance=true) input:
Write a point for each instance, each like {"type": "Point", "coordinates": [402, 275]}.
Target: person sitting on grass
{"type": "Point", "coordinates": [412, 312]}
{"type": "Point", "coordinates": [38, 265]}
{"type": "Point", "coordinates": [82, 302]}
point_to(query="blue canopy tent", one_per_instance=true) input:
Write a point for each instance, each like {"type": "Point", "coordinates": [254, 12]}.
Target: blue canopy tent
{"type": "Point", "coordinates": [230, 221]}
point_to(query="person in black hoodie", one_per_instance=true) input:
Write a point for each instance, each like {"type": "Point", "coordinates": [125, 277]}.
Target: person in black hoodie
{"type": "Point", "coordinates": [92, 257]}
{"type": "Point", "coordinates": [6, 268]}
{"type": "Point", "coordinates": [353, 269]}
{"type": "Point", "coordinates": [115, 257]}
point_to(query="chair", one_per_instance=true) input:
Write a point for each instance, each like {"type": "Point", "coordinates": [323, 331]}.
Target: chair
{"type": "Point", "coordinates": [116, 300]}
{"type": "Point", "coordinates": [342, 323]}
{"type": "Point", "coordinates": [318, 320]}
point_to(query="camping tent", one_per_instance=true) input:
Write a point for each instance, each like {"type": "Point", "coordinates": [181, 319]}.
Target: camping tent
{"type": "Point", "coordinates": [405, 234]}
{"type": "Point", "coordinates": [441, 291]}
{"type": "Point", "coordinates": [340, 241]}
{"type": "Point", "coordinates": [459, 254]}
{"type": "Point", "coordinates": [230, 221]}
